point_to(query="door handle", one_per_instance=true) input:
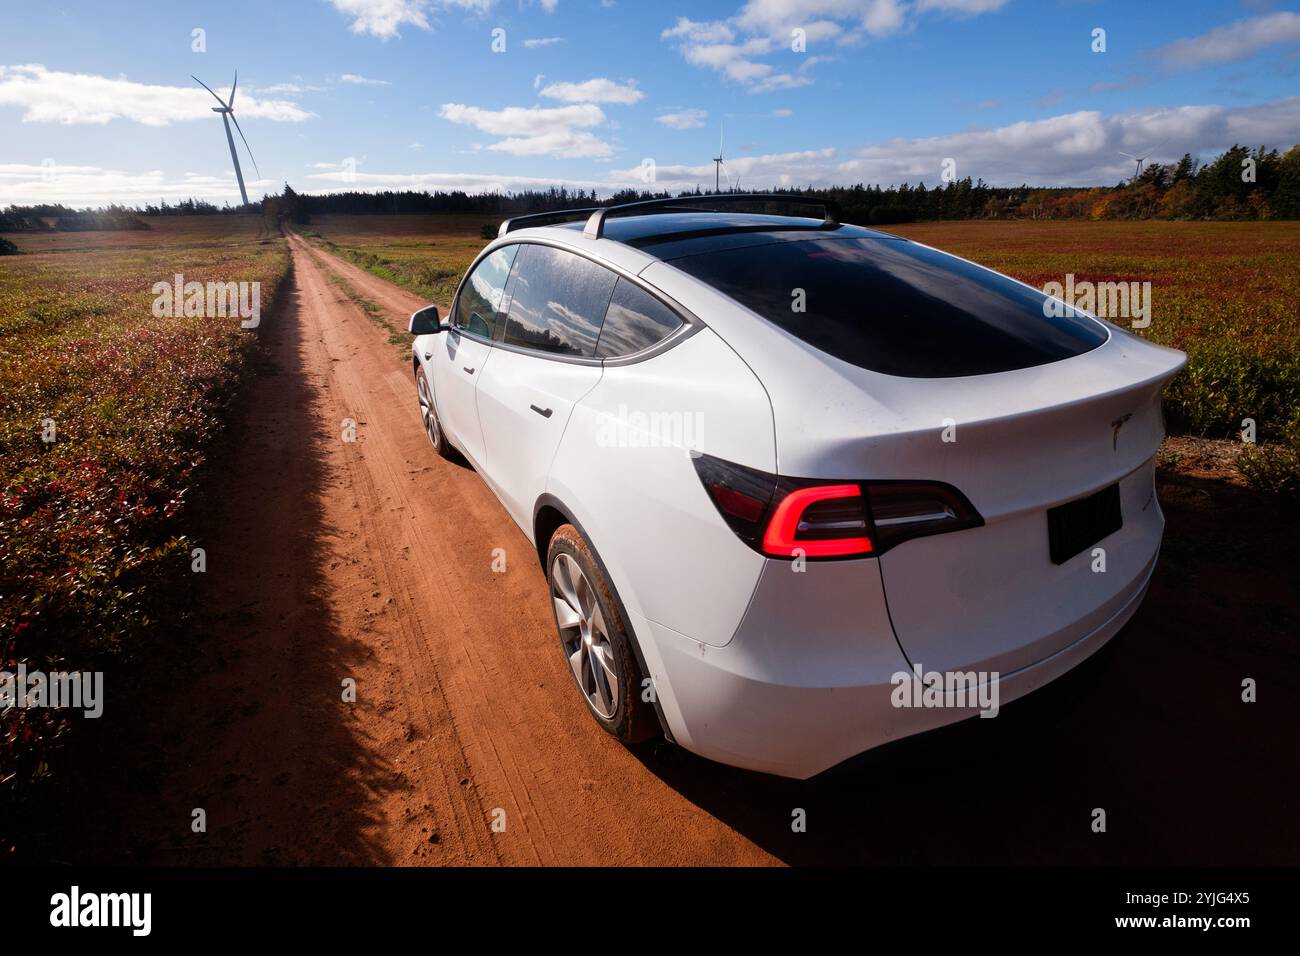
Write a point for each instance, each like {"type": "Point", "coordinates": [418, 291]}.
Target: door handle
{"type": "Point", "coordinates": [468, 369]}
{"type": "Point", "coordinates": [544, 412]}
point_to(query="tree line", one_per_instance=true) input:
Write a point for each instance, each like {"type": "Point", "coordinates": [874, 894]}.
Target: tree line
{"type": "Point", "coordinates": [1240, 183]}
{"type": "Point", "coordinates": [60, 218]}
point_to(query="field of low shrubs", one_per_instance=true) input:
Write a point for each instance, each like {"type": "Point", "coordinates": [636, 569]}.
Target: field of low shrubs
{"type": "Point", "coordinates": [425, 254]}
{"type": "Point", "coordinates": [1223, 292]}
{"type": "Point", "coordinates": [105, 415]}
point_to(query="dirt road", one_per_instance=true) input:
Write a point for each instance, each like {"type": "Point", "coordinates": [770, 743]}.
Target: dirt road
{"type": "Point", "coordinates": [371, 561]}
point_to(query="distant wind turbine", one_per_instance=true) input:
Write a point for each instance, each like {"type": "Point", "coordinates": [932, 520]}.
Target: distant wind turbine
{"type": "Point", "coordinates": [1141, 159]}
{"type": "Point", "coordinates": [227, 111]}
{"type": "Point", "coordinates": [717, 163]}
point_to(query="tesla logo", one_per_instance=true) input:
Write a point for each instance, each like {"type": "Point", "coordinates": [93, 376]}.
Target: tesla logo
{"type": "Point", "coordinates": [1116, 425]}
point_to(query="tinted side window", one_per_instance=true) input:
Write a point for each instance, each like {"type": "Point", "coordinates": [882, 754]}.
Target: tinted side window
{"type": "Point", "coordinates": [896, 307]}
{"type": "Point", "coordinates": [480, 297]}
{"type": "Point", "coordinates": [636, 320]}
{"type": "Point", "coordinates": [557, 301]}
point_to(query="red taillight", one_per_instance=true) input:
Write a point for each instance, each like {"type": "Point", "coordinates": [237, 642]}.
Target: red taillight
{"type": "Point", "coordinates": [808, 517]}
{"type": "Point", "coordinates": [795, 529]}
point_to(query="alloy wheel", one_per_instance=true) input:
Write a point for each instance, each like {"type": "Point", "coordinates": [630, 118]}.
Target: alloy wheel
{"type": "Point", "coordinates": [584, 635]}
{"type": "Point", "coordinates": [427, 413]}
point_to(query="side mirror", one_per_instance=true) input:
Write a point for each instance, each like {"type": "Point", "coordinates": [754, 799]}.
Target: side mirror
{"type": "Point", "coordinates": [425, 321]}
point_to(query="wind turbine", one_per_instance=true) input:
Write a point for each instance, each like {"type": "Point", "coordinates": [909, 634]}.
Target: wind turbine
{"type": "Point", "coordinates": [717, 163]}
{"type": "Point", "coordinates": [227, 111]}
{"type": "Point", "coordinates": [1141, 159]}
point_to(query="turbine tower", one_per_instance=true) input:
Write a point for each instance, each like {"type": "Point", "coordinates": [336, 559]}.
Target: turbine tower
{"type": "Point", "coordinates": [227, 111]}
{"type": "Point", "coordinates": [1141, 159]}
{"type": "Point", "coordinates": [717, 163]}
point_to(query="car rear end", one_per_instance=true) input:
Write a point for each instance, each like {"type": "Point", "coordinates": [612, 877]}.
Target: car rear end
{"type": "Point", "coordinates": [964, 486]}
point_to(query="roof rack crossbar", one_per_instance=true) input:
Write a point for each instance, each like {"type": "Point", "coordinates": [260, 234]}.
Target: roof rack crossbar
{"type": "Point", "coordinates": [595, 228]}
{"type": "Point", "coordinates": [541, 218]}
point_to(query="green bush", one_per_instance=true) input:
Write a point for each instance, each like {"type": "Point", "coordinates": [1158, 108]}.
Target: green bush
{"type": "Point", "coordinates": [1274, 467]}
{"type": "Point", "coordinates": [1226, 381]}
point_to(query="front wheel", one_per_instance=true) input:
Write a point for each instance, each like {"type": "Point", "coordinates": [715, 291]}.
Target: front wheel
{"type": "Point", "coordinates": [429, 416]}
{"type": "Point", "coordinates": [595, 640]}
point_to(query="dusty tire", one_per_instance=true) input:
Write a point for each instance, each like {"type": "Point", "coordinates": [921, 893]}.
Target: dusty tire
{"type": "Point", "coordinates": [594, 639]}
{"type": "Point", "coordinates": [429, 417]}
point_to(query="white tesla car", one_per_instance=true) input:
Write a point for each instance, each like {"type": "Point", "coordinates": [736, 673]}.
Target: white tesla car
{"type": "Point", "coordinates": [771, 463]}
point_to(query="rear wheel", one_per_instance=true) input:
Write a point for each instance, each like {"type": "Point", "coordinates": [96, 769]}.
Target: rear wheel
{"type": "Point", "coordinates": [595, 641]}
{"type": "Point", "coordinates": [429, 416]}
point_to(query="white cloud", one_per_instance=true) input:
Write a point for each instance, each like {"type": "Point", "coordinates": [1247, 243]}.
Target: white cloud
{"type": "Point", "coordinates": [781, 81]}
{"type": "Point", "coordinates": [597, 90]}
{"type": "Point", "coordinates": [25, 184]}
{"type": "Point", "coordinates": [820, 19]}
{"type": "Point", "coordinates": [1237, 41]}
{"type": "Point", "coordinates": [694, 31]}
{"type": "Point", "coordinates": [522, 120]}
{"type": "Point", "coordinates": [1073, 149]}
{"type": "Point", "coordinates": [751, 172]}
{"type": "Point", "coordinates": [536, 131]}
{"type": "Point", "coordinates": [49, 96]}
{"type": "Point", "coordinates": [731, 46]}
{"type": "Point", "coordinates": [566, 143]}
{"type": "Point", "coordinates": [683, 119]}
{"type": "Point", "coordinates": [447, 182]}
{"type": "Point", "coordinates": [356, 80]}
{"type": "Point", "coordinates": [384, 18]}
{"type": "Point", "coordinates": [713, 45]}
{"type": "Point", "coordinates": [80, 186]}
{"type": "Point", "coordinates": [1076, 148]}
{"type": "Point", "coordinates": [535, 42]}
{"type": "Point", "coordinates": [287, 89]}
{"type": "Point", "coordinates": [969, 7]}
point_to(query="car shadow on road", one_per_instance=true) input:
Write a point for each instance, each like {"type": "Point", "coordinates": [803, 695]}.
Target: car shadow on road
{"type": "Point", "coordinates": [240, 712]}
{"type": "Point", "coordinates": [1152, 730]}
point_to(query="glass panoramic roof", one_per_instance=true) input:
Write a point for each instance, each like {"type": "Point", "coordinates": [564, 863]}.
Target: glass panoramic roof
{"type": "Point", "coordinates": [668, 235]}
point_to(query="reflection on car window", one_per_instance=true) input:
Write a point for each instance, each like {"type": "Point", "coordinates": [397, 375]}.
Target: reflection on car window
{"type": "Point", "coordinates": [636, 320]}
{"type": "Point", "coordinates": [896, 307]}
{"type": "Point", "coordinates": [557, 302]}
{"type": "Point", "coordinates": [480, 298]}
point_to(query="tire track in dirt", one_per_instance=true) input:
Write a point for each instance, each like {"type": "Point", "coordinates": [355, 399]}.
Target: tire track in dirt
{"type": "Point", "coordinates": [480, 641]}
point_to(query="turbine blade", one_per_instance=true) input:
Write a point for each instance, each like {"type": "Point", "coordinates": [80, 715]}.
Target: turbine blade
{"type": "Point", "coordinates": [208, 88]}
{"type": "Point", "coordinates": [246, 146]}
{"type": "Point", "coordinates": [1129, 155]}
{"type": "Point", "coordinates": [231, 104]}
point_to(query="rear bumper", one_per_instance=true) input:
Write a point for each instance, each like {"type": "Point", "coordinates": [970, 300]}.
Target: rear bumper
{"type": "Point", "coordinates": [793, 703]}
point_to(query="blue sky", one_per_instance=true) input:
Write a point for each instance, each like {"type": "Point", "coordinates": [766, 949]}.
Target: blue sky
{"type": "Point", "coordinates": [96, 103]}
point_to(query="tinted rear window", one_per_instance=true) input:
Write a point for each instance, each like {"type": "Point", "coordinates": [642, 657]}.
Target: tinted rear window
{"type": "Point", "coordinates": [636, 320]}
{"type": "Point", "coordinates": [895, 307]}
{"type": "Point", "coordinates": [557, 301]}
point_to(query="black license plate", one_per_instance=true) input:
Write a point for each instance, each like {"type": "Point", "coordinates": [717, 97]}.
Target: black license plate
{"type": "Point", "coordinates": [1074, 526]}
